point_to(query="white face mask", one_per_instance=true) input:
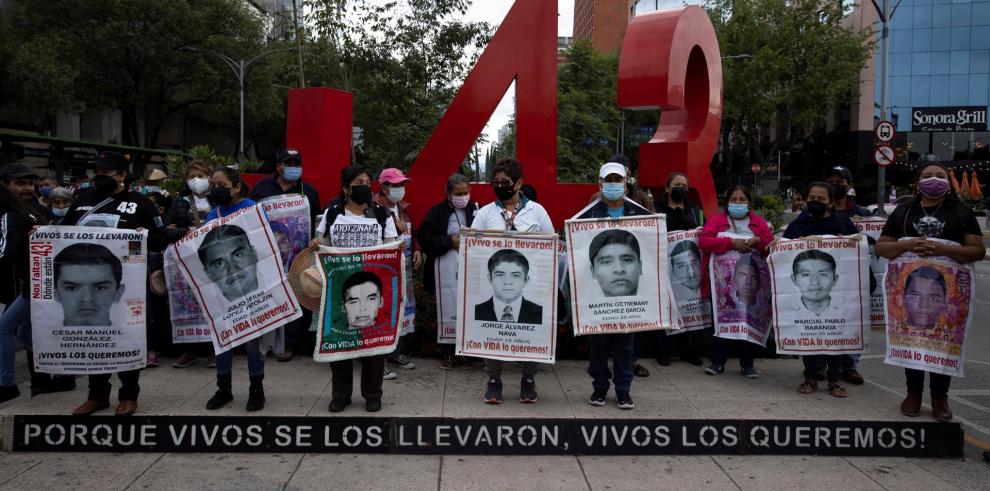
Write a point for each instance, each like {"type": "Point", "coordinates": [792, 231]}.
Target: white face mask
{"type": "Point", "coordinates": [198, 185]}
{"type": "Point", "coordinates": [395, 195]}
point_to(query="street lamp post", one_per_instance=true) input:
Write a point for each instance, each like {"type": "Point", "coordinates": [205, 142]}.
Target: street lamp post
{"type": "Point", "coordinates": [240, 71]}
{"type": "Point", "coordinates": [885, 16]}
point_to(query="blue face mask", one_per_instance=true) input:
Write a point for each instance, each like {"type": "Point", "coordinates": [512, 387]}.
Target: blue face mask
{"type": "Point", "coordinates": [738, 210]}
{"type": "Point", "coordinates": [613, 191]}
{"type": "Point", "coordinates": [292, 174]}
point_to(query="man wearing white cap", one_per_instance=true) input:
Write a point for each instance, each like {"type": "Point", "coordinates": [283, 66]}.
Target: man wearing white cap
{"type": "Point", "coordinates": [613, 204]}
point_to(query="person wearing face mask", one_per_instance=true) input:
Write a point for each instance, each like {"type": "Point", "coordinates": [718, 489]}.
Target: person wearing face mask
{"type": "Point", "coordinates": [682, 214]}
{"type": "Point", "coordinates": [737, 219]}
{"type": "Point", "coordinates": [511, 211]}
{"type": "Point", "coordinates": [843, 193]}
{"type": "Point", "coordinates": [934, 213]}
{"type": "Point", "coordinates": [439, 234]}
{"type": "Point", "coordinates": [618, 347]}
{"type": "Point", "coordinates": [288, 179]}
{"type": "Point", "coordinates": [59, 201]}
{"type": "Point", "coordinates": [819, 219]}
{"type": "Point", "coordinates": [393, 183]}
{"type": "Point", "coordinates": [109, 202]}
{"type": "Point", "coordinates": [354, 206]}
{"type": "Point", "coordinates": [45, 186]}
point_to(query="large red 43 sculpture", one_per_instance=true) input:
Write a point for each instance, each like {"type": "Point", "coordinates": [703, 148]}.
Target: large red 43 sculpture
{"type": "Point", "coordinates": [670, 60]}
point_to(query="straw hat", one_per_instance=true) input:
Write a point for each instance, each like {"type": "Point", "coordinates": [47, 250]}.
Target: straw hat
{"type": "Point", "coordinates": [157, 175]}
{"type": "Point", "coordinates": [305, 279]}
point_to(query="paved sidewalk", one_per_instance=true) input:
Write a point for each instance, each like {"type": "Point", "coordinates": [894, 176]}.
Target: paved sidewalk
{"type": "Point", "coordinates": [301, 388]}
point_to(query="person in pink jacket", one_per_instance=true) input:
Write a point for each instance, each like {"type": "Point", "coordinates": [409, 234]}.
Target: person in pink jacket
{"type": "Point", "coordinates": [739, 220]}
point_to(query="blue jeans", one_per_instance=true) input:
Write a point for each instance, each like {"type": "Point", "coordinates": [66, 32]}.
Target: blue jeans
{"type": "Point", "coordinates": [720, 352]}
{"type": "Point", "coordinates": [16, 321]}
{"type": "Point", "coordinates": [620, 348]}
{"type": "Point", "coordinates": [850, 362]}
{"type": "Point", "coordinates": [255, 359]}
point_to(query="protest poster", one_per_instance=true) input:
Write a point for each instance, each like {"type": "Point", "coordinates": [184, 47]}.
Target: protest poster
{"type": "Point", "coordinates": [741, 294]}
{"type": "Point", "coordinates": [928, 312]}
{"type": "Point", "coordinates": [507, 296]}
{"type": "Point", "coordinates": [408, 324]}
{"type": "Point", "coordinates": [820, 290]}
{"type": "Point", "coordinates": [189, 325]}
{"type": "Point", "coordinates": [871, 227]}
{"type": "Point", "coordinates": [619, 275]}
{"type": "Point", "coordinates": [88, 299]}
{"type": "Point", "coordinates": [445, 273]}
{"type": "Point", "coordinates": [361, 306]}
{"type": "Point", "coordinates": [234, 267]}
{"type": "Point", "coordinates": [685, 280]}
{"type": "Point", "coordinates": [288, 216]}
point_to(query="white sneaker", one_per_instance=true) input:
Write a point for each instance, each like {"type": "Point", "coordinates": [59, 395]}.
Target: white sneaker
{"type": "Point", "coordinates": [390, 375]}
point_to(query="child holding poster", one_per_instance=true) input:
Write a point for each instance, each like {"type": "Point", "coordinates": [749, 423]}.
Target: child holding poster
{"type": "Point", "coordinates": [815, 271]}
{"type": "Point", "coordinates": [739, 221]}
{"type": "Point", "coordinates": [934, 213]}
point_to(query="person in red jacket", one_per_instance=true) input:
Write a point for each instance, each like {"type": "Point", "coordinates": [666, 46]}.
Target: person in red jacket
{"type": "Point", "coordinates": [737, 219]}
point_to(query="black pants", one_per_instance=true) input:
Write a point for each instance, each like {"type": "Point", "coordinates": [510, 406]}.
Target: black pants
{"type": "Point", "coordinates": [939, 383]}
{"type": "Point", "coordinates": [342, 378]}
{"type": "Point", "coordinates": [833, 362]}
{"type": "Point", "coordinates": [99, 386]}
{"type": "Point", "coordinates": [720, 352]}
{"type": "Point", "coordinates": [683, 344]}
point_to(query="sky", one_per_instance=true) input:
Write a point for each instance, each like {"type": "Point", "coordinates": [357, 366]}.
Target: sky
{"type": "Point", "coordinates": [493, 11]}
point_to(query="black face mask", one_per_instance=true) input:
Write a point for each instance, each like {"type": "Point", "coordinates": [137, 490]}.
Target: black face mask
{"type": "Point", "coordinates": [361, 194]}
{"type": "Point", "coordinates": [504, 193]}
{"type": "Point", "coordinates": [817, 209]}
{"type": "Point", "coordinates": [839, 191]}
{"type": "Point", "coordinates": [105, 184]}
{"type": "Point", "coordinates": [221, 196]}
{"type": "Point", "coordinates": [677, 194]}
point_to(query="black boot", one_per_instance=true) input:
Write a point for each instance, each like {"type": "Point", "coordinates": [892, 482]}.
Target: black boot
{"type": "Point", "coordinates": [223, 395]}
{"type": "Point", "coordinates": [256, 394]}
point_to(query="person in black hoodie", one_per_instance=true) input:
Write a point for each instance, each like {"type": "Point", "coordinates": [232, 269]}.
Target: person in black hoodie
{"type": "Point", "coordinates": [682, 214]}
{"type": "Point", "coordinates": [110, 201]}
{"type": "Point", "coordinates": [819, 219]}
{"type": "Point", "coordinates": [440, 233]}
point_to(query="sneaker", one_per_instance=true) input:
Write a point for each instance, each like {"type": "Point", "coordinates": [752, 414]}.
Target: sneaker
{"type": "Point", "coordinates": [598, 397]}
{"type": "Point", "coordinates": [402, 362]}
{"type": "Point", "coordinates": [625, 402]}
{"type": "Point", "coordinates": [186, 360]}
{"type": "Point", "coordinates": [338, 405]}
{"type": "Point", "coordinates": [390, 375]}
{"type": "Point", "coordinates": [152, 359]}
{"type": "Point", "coordinates": [640, 371]}
{"type": "Point", "coordinates": [852, 376]}
{"type": "Point", "coordinates": [692, 359]}
{"type": "Point", "coordinates": [493, 392]}
{"type": "Point", "coordinates": [663, 359]}
{"type": "Point", "coordinates": [750, 372]}
{"type": "Point", "coordinates": [527, 391]}
{"type": "Point", "coordinates": [447, 363]}
{"type": "Point", "coordinates": [714, 369]}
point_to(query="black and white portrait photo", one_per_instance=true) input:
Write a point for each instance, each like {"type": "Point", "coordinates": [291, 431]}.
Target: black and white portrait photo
{"type": "Point", "coordinates": [87, 284]}
{"type": "Point", "coordinates": [615, 262]}
{"type": "Point", "coordinates": [508, 274]}
{"type": "Point", "coordinates": [230, 261]}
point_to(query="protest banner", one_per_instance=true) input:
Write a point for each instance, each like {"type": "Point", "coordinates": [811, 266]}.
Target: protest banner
{"type": "Point", "coordinates": [741, 292]}
{"type": "Point", "coordinates": [361, 306]}
{"type": "Point", "coordinates": [445, 273]}
{"type": "Point", "coordinates": [88, 299]}
{"type": "Point", "coordinates": [507, 296]}
{"type": "Point", "coordinates": [820, 291]}
{"type": "Point", "coordinates": [928, 312]}
{"type": "Point", "coordinates": [408, 324]}
{"type": "Point", "coordinates": [189, 325]}
{"type": "Point", "coordinates": [619, 275]}
{"type": "Point", "coordinates": [234, 267]}
{"type": "Point", "coordinates": [871, 227]}
{"type": "Point", "coordinates": [288, 216]}
{"type": "Point", "coordinates": [685, 279]}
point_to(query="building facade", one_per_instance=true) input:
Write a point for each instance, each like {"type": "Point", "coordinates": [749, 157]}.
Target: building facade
{"type": "Point", "coordinates": [603, 22]}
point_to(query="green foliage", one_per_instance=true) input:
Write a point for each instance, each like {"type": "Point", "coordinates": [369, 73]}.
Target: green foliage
{"type": "Point", "coordinates": [772, 210]}
{"type": "Point", "coordinates": [249, 166]}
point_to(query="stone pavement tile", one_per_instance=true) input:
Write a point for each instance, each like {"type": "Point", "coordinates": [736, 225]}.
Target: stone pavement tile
{"type": "Point", "coordinates": [901, 473]}
{"type": "Point", "coordinates": [968, 473]}
{"type": "Point", "coordinates": [755, 407]}
{"type": "Point", "coordinates": [516, 472]}
{"type": "Point", "coordinates": [377, 472]}
{"type": "Point", "coordinates": [784, 472]}
{"type": "Point", "coordinates": [465, 390]}
{"type": "Point", "coordinates": [239, 471]}
{"type": "Point", "coordinates": [12, 464]}
{"type": "Point", "coordinates": [864, 403]}
{"type": "Point", "coordinates": [655, 472]}
{"type": "Point", "coordinates": [83, 471]}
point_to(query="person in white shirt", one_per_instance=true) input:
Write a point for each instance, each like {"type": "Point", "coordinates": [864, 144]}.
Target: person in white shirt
{"type": "Point", "coordinates": [511, 211]}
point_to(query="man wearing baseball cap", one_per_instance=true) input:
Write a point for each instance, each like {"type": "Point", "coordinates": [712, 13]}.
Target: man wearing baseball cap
{"type": "Point", "coordinates": [287, 179]}
{"type": "Point", "coordinates": [20, 179]}
{"type": "Point", "coordinates": [393, 183]}
{"type": "Point", "coordinates": [110, 202]}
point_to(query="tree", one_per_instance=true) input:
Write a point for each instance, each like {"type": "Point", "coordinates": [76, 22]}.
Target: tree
{"type": "Point", "coordinates": [79, 55]}
{"type": "Point", "coordinates": [795, 62]}
{"type": "Point", "coordinates": [403, 60]}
